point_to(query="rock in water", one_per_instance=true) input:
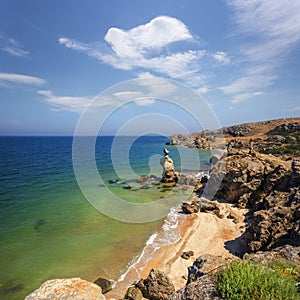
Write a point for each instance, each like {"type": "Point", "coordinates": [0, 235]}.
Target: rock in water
{"type": "Point", "coordinates": [106, 285]}
{"type": "Point", "coordinates": [157, 286]}
{"type": "Point", "coordinates": [169, 174]}
{"type": "Point", "coordinates": [71, 289]}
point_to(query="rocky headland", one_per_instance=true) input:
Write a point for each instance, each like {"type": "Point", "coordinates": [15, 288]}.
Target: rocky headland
{"type": "Point", "coordinates": [254, 215]}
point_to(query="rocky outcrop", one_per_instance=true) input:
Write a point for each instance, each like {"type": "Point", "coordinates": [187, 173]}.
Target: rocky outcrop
{"type": "Point", "coordinates": [72, 288]}
{"type": "Point", "coordinates": [269, 190]}
{"type": "Point", "coordinates": [106, 285]}
{"type": "Point", "coordinates": [190, 208]}
{"type": "Point", "coordinates": [133, 293]}
{"type": "Point", "coordinates": [275, 136]}
{"type": "Point", "coordinates": [286, 252]}
{"type": "Point", "coordinates": [157, 286]}
{"type": "Point", "coordinates": [200, 283]}
{"type": "Point", "coordinates": [169, 174]}
{"type": "Point", "coordinates": [195, 140]}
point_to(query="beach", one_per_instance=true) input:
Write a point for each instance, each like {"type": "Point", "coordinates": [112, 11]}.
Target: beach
{"type": "Point", "coordinates": [202, 233]}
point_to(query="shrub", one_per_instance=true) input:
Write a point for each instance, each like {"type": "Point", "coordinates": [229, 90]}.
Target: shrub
{"type": "Point", "coordinates": [245, 280]}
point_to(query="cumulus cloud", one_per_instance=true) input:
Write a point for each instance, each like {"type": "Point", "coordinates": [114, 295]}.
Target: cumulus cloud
{"type": "Point", "coordinates": [145, 47]}
{"type": "Point", "coordinates": [12, 78]}
{"type": "Point", "coordinates": [12, 46]}
{"type": "Point", "coordinates": [272, 29]}
{"type": "Point", "coordinates": [142, 40]}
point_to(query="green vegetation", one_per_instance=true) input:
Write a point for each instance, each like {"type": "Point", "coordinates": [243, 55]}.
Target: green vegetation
{"type": "Point", "coordinates": [245, 280]}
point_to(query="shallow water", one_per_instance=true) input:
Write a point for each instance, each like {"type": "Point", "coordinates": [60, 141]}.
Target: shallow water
{"type": "Point", "coordinates": [47, 227]}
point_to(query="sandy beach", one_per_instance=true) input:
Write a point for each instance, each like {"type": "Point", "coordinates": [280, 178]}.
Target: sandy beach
{"type": "Point", "coordinates": [202, 233]}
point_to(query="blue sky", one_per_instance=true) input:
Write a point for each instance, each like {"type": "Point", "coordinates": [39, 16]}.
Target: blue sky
{"type": "Point", "coordinates": [243, 57]}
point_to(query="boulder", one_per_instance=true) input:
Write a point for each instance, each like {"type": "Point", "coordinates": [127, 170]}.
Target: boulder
{"type": "Point", "coordinates": [157, 286]}
{"type": "Point", "coordinates": [143, 179]}
{"type": "Point", "coordinates": [133, 293]}
{"type": "Point", "coordinates": [71, 288]}
{"type": "Point", "coordinates": [105, 284]}
{"type": "Point", "coordinates": [189, 208]}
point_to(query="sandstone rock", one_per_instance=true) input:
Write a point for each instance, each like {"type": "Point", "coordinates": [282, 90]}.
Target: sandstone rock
{"type": "Point", "coordinates": [157, 286]}
{"type": "Point", "coordinates": [106, 285]}
{"type": "Point", "coordinates": [72, 288]}
{"type": "Point", "coordinates": [133, 293]}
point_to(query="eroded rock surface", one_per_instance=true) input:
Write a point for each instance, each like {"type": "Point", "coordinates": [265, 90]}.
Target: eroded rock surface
{"type": "Point", "coordinates": [71, 288]}
{"type": "Point", "coordinates": [157, 286]}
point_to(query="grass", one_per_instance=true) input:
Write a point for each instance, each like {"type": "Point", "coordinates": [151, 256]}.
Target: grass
{"type": "Point", "coordinates": [245, 280]}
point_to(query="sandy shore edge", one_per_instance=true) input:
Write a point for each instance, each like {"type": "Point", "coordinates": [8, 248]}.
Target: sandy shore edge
{"type": "Point", "coordinates": [202, 233]}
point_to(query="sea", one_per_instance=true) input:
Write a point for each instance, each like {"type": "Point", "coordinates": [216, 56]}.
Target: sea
{"type": "Point", "coordinates": [48, 229]}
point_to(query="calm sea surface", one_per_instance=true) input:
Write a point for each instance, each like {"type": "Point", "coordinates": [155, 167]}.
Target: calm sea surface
{"type": "Point", "coordinates": [47, 227]}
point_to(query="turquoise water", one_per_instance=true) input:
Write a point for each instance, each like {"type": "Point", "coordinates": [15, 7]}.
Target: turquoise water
{"type": "Point", "coordinates": [47, 227]}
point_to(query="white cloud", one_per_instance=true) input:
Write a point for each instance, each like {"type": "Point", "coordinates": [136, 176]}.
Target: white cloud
{"type": "Point", "coordinates": [243, 97]}
{"type": "Point", "coordinates": [145, 101]}
{"type": "Point", "coordinates": [7, 78]}
{"type": "Point", "coordinates": [221, 57]}
{"type": "Point", "coordinates": [203, 90]}
{"type": "Point", "coordinates": [145, 47]}
{"type": "Point", "coordinates": [142, 40]}
{"type": "Point", "coordinates": [272, 29]}
{"type": "Point", "coordinates": [12, 46]}
{"type": "Point", "coordinates": [64, 103]}
{"type": "Point", "coordinates": [145, 75]}
{"type": "Point", "coordinates": [128, 95]}
{"type": "Point", "coordinates": [248, 84]}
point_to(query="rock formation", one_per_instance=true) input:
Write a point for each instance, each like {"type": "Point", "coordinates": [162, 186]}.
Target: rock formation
{"type": "Point", "coordinates": [157, 286]}
{"type": "Point", "coordinates": [169, 175]}
{"type": "Point", "coordinates": [72, 288]}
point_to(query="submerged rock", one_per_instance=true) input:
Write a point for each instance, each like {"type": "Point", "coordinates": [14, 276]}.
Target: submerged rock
{"type": "Point", "coordinates": [157, 286]}
{"type": "Point", "coordinates": [71, 289]}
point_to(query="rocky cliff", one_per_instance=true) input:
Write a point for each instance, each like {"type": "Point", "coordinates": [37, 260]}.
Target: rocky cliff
{"type": "Point", "coordinates": [276, 136]}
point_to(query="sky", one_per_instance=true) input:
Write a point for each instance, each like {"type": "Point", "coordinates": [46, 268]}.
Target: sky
{"type": "Point", "coordinates": [56, 57]}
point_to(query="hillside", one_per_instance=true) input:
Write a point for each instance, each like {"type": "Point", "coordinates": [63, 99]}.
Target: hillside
{"type": "Point", "coordinates": [279, 137]}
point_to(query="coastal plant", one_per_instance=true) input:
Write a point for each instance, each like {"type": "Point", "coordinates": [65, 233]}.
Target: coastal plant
{"type": "Point", "coordinates": [245, 280]}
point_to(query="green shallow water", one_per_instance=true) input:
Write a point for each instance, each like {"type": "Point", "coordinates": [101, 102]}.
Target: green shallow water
{"type": "Point", "coordinates": [47, 227]}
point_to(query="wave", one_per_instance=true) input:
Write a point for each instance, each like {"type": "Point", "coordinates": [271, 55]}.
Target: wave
{"type": "Point", "coordinates": [167, 235]}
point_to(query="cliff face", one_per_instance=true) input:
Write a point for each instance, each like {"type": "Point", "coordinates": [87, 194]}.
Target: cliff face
{"type": "Point", "coordinates": [270, 188]}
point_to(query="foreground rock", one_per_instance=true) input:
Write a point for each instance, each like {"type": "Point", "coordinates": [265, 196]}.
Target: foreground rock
{"type": "Point", "coordinates": [200, 283]}
{"type": "Point", "coordinates": [157, 286]}
{"type": "Point", "coordinates": [71, 288]}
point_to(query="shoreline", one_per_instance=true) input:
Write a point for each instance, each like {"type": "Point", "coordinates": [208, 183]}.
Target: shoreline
{"type": "Point", "coordinates": [202, 233]}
